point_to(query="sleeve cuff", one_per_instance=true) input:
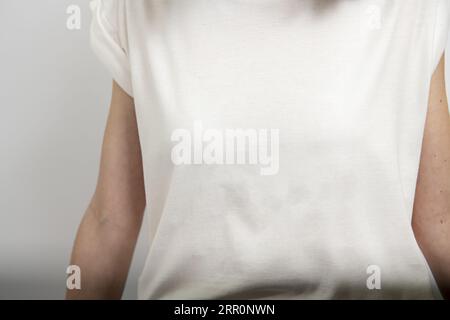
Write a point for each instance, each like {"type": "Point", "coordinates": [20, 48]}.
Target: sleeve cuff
{"type": "Point", "coordinates": [107, 48]}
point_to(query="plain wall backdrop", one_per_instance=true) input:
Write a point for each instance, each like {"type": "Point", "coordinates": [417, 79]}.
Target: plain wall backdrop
{"type": "Point", "coordinates": [54, 97]}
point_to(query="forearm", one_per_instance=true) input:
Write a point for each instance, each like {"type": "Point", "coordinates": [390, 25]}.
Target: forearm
{"type": "Point", "coordinates": [103, 250]}
{"type": "Point", "coordinates": [436, 250]}
{"type": "Point", "coordinates": [431, 218]}
{"type": "Point", "coordinates": [431, 222]}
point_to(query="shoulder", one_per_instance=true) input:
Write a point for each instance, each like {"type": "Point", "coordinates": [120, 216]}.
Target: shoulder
{"type": "Point", "coordinates": [108, 11]}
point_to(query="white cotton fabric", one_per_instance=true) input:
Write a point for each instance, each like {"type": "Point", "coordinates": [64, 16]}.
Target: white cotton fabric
{"type": "Point", "coordinates": [345, 82]}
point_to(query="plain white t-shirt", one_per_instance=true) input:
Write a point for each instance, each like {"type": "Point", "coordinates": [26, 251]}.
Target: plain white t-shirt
{"type": "Point", "coordinates": [328, 101]}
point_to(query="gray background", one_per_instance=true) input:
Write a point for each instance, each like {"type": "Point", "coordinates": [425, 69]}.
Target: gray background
{"type": "Point", "coordinates": [54, 97]}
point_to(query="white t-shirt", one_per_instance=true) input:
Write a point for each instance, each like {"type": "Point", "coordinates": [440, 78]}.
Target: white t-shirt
{"type": "Point", "coordinates": [280, 141]}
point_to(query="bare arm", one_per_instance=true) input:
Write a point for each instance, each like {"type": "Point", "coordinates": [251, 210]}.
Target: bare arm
{"type": "Point", "coordinates": [108, 232]}
{"type": "Point", "coordinates": [431, 218]}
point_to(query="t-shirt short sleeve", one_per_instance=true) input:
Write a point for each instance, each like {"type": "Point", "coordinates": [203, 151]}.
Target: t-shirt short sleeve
{"type": "Point", "coordinates": [441, 31]}
{"type": "Point", "coordinates": [109, 42]}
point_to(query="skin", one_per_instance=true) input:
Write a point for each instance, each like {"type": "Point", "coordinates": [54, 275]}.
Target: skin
{"type": "Point", "coordinates": [108, 233]}
{"type": "Point", "coordinates": [109, 230]}
{"type": "Point", "coordinates": [431, 216]}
